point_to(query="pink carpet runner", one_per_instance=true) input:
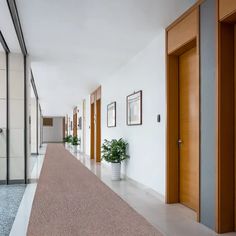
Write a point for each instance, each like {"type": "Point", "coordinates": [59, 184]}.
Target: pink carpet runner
{"type": "Point", "coordinates": [71, 200]}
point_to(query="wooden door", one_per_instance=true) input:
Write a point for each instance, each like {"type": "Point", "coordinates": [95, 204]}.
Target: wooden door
{"type": "Point", "coordinates": [84, 126]}
{"type": "Point", "coordinates": [92, 136]}
{"type": "Point", "coordinates": [75, 124]}
{"type": "Point", "coordinates": [235, 127]}
{"type": "Point", "coordinates": [188, 129]}
{"type": "Point", "coordinates": [98, 130]}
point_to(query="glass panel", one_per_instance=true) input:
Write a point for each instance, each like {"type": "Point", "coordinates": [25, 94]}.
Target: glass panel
{"type": "Point", "coordinates": [3, 118]}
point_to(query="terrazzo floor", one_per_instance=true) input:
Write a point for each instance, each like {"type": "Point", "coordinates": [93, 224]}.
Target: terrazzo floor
{"type": "Point", "coordinates": [10, 199]}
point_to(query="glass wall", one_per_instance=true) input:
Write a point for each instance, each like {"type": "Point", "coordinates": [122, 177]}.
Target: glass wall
{"type": "Point", "coordinates": [3, 117]}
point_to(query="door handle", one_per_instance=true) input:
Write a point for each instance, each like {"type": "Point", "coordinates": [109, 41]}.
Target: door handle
{"type": "Point", "coordinates": [180, 142]}
{"type": "Point", "coordinates": [1, 130]}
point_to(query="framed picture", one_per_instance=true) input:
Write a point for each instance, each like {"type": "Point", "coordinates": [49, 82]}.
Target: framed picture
{"type": "Point", "coordinates": [134, 108]}
{"type": "Point", "coordinates": [111, 114]}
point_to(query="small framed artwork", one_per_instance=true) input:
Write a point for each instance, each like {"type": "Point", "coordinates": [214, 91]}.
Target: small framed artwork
{"type": "Point", "coordinates": [134, 108]}
{"type": "Point", "coordinates": [111, 114]}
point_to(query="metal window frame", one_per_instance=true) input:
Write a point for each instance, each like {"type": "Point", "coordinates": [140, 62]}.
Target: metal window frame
{"type": "Point", "coordinates": [7, 51]}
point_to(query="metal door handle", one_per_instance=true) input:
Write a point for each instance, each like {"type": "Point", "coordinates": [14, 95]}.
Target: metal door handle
{"type": "Point", "coordinates": [180, 142]}
{"type": "Point", "coordinates": [1, 130]}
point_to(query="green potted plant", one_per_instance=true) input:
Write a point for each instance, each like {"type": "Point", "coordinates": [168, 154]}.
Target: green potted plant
{"type": "Point", "coordinates": [67, 140]}
{"type": "Point", "coordinates": [115, 151]}
{"type": "Point", "coordinates": [75, 143]}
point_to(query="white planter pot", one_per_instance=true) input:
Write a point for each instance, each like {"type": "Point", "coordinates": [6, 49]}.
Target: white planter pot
{"type": "Point", "coordinates": [115, 171]}
{"type": "Point", "coordinates": [75, 148]}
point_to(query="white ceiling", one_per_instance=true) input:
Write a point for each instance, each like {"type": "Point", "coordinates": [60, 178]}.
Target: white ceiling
{"type": "Point", "coordinates": [7, 28]}
{"type": "Point", "coordinates": [75, 44]}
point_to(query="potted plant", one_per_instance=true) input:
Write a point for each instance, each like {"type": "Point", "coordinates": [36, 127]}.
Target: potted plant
{"type": "Point", "coordinates": [67, 140]}
{"type": "Point", "coordinates": [114, 151]}
{"type": "Point", "coordinates": [75, 143]}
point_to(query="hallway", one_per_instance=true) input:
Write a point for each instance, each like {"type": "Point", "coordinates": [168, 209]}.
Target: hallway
{"type": "Point", "coordinates": [66, 190]}
{"type": "Point", "coordinates": [168, 219]}
{"type": "Point", "coordinates": [133, 104]}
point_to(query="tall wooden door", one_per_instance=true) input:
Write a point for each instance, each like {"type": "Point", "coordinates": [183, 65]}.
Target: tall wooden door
{"type": "Point", "coordinates": [188, 129]}
{"type": "Point", "coordinates": [84, 126]}
{"type": "Point", "coordinates": [75, 123]}
{"type": "Point", "coordinates": [92, 134]}
{"type": "Point", "coordinates": [98, 130]}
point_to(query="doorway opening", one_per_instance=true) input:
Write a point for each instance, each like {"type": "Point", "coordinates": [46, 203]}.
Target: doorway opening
{"type": "Point", "coordinates": [84, 126]}
{"type": "Point", "coordinates": [226, 165]}
{"type": "Point", "coordinates": [95, 125]}
{"type": "Point", "coordinates": [183, 126]}
{"type": "Point", "coordinates": [75, 122]}
{"type": "Point", "coordinates": [92, 135]}
{"type": "Point", "coordinates": [98, 130]}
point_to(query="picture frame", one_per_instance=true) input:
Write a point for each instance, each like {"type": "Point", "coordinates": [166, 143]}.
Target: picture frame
{"type": "Point", "coordinates": [134, 108]}
{"type": "Point", "coordinates": [111, 115]}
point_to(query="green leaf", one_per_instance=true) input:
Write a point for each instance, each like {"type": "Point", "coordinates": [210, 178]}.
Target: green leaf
{"type": "Point", "coordinates": [115, 150]}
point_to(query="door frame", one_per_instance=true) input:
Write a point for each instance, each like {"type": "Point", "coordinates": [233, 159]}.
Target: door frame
{"type": "Point", "coordinates": [180, 37]}
{"type": "Point", "coordinates": [226, 113]}
{"type": "Point", "coordinates": [95, 125]}
{"type": "Point", "coordinates": [75, 122]}
{"type": "Point", "coordinates": [92, 131]}
{"type": "Point", "coordinates": [98, 130]}
{"type": "Point", "coordinates": [84, 125]}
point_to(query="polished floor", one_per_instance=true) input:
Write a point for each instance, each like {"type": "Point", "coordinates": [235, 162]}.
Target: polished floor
{"type": "Point", "coordinates": [171, 220]}
{"type": "Point", "coordinates": [20, 225]}
{"type": "Point", "coordinates": [10, 199]}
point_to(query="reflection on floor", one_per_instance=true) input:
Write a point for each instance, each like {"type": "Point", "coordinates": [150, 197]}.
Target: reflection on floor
{"type": "Point", "coordinates": [20, 225]}
{"type": "Point", "coordinates": [171, 220]}
{"type": "Point", "coordinates": [10, 198]}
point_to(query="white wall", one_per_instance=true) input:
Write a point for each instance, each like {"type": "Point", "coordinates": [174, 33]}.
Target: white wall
{"type": "Point", "coordinates": [54, 133]}
{"type": "Point", "coordinates": [145, 72]}
{"type": "Point", "coordinates": [33, 135]}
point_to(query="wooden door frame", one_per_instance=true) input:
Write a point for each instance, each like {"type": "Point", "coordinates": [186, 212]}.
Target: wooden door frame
{"type": "Point", "coordinates": [75, 122]}
{"type": "Point", "coordinates": [84, 126]}
{"type": "Point", "coordinates": [98, 130]}
{"type": "Point", "coordinates": [95, 132]}
{"type": "Point", "coordinates": [172, 129]}
{"type": "Point", "coordinates": [225, 114]}
{"type": "Point", "coordinates": [92, 133]}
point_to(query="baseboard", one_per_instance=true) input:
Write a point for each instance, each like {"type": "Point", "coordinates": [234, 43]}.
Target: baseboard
{"type": "Point", "coordinates": [139, 185]}
{"type": "Point", "coordinates": [32, 181]}
{"type": "Point", "coordinates": [145, 188]}
{"type": "Point", "coordinates": [16, 181]}
{"type": "Point", "coordinates": [12, 181]}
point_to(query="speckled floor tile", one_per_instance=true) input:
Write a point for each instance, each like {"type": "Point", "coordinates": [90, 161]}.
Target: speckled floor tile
{"type": "Point", "coordinates": [10, 198]}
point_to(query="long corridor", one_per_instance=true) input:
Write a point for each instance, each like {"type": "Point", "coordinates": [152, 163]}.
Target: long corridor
{"type": "Point", "coordinates": [69, 197]}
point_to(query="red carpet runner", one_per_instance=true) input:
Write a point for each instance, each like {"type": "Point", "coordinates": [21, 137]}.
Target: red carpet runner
{"type": "Point", "coordinates": [71, 200]}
